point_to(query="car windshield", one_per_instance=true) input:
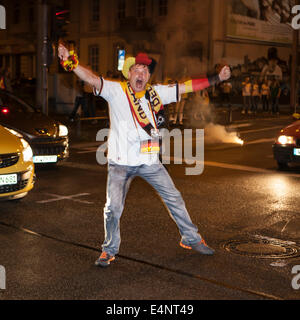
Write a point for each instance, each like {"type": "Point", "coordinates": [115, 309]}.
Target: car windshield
{"type": "Point", "coordinates": [14, 104]}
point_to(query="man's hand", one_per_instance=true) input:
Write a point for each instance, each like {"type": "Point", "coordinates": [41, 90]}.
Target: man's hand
{"type": "Point", "coordinates": [63, 52]}
{"type": "Point", "coordinates": [225, 73]}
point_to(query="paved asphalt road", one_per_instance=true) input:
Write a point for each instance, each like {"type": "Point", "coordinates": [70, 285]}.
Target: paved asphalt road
{"type": "Point", "coordinates": [244, 207]}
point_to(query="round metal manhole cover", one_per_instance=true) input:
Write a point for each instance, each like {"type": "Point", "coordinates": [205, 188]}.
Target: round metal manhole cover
{"type": "Point", "coordinates": [262, 248]}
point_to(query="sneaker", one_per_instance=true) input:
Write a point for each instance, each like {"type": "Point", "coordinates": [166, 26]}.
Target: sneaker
{"type": "Point", "coordinates": [104, 260]}
{"type": "Point", "coordinates": [200, 247]}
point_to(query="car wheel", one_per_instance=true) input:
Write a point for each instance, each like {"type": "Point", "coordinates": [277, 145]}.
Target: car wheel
{"type": "Point", "coordinates": [282, 165]}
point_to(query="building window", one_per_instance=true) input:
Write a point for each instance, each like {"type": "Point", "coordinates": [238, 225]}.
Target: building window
{"type": "Point", "coordinates": [141, 8]}
{"type": "Point", "coordinates": [16, 12]}
{"type": "Point", "coordinates": [121, 9]}
{"type": "Point", "coordinates": [94, 10]}
{"type": "Point", "coordinates": [94, 57]}
{"type": "Point", "coordinates": [163, 8]}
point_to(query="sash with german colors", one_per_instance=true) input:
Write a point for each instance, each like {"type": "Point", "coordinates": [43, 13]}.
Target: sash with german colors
{"type": "Point", "coordinates": [137, 110]}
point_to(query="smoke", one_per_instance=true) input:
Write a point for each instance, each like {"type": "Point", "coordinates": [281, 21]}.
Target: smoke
{"type": "Point", "coordinates": [215, 133]}
{"type": "Point", "coordinates": [203, 114]}
{"type": "Point", "coordinates": [185, 56]}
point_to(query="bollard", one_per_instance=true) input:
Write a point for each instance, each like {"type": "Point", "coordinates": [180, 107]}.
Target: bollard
{"type": "Point", "coordinates": [230, 114]}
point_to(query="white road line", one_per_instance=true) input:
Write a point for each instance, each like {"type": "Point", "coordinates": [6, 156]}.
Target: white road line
{"type": "Point", "coordinates": [88, 150]}
{"type": "Point", "coordinates": [249, 169]}
{"type": "Point", "coordinates": [71, 197]}
{"type": "Point", "coordinates": [225, 146]}
{"type": "Point", "coordinates": [85, 145]}
{"type": "Point", "coordinates": [260, 130]}
{"type": "Point", "coordinates": [239, 125]}
{"type": "Point", "coordinates": [236, 167]}
{"type": "Point", "coordinates": [259, 141]}
{"type": "Point", "coordinates": [90, 147]}
{"type": "Point", "coordinates": [83, 166]}
{"type": "Point", "coordinates": [222, 165]}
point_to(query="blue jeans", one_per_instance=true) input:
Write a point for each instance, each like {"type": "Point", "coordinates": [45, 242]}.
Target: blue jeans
{"type": "Point", "coordinates": [119, 179]}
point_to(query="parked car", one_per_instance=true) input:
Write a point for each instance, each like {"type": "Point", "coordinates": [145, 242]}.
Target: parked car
{"type": "Point", "coordinates": [16, 165]}
{"type": "Point", "coordinates": [48, 138]}
{"type": "Point", "coordinates": [286, 148]}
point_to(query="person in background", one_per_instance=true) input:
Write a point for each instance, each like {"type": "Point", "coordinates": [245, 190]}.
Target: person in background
{"type": "Point", "coordinates": [246, 92]}
{"type": "Point", "coordinates": [5, 80]}
{"type": "Point", "coordinates": [179, 108]}
{"type": "Point", "coordinates": [255, 95]}
{"type": "Point", "coordinates": [265, 95]}
{"type": "Point", "coordinates": [275, 92]}
{"type": "Point", "coordinates": [80, 100]}
{"type": "Point", "coordinates": [226, 92]}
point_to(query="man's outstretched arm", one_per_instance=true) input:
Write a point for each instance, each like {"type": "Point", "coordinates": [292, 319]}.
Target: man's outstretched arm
{"type": "Point", "coordinates": [200, 84]}
{"type": "Point", "coordinates": [83, 73]}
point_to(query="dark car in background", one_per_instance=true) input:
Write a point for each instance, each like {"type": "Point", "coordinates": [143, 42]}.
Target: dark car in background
{"type": "Point", "coordinates": [47, 137]}
{"type": "Point", "coordinates": [286, 148]}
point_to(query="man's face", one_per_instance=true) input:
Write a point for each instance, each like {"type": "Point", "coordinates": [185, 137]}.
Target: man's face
{"type": "Point", "coordinates": [138, 77]}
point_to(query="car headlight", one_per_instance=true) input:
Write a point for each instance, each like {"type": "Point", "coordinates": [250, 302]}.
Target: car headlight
{"type": "Point", "coordinates": [286, 140]}
{"type": "Point", "coordinates": [63, 130]}
{"type": "Point", "coordinates": [27, 151]}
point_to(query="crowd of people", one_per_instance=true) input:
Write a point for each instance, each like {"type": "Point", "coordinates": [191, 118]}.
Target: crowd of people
{"type": "Point", "coordinates": [267, 92]}
{"type": "Point", "coordinates": [254, 95]}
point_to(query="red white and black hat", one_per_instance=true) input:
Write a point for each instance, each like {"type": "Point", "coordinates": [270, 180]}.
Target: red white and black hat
{"type": "Point", "coordinates": [141, 58]}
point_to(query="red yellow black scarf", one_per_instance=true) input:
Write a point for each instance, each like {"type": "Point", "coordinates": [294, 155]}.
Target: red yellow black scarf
{"type": "Point", "coordinates": [137, 111]}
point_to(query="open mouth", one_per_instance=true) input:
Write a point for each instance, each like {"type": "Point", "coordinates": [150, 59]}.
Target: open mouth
{"type": "Point", "coordinates": [139, 83]}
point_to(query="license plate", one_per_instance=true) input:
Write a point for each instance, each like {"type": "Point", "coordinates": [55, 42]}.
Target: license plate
{"type": "Point", "coordinates": [45, 159]}
{"type": "Point", "coordinates": [296, 152]}
{"type": "Point", "coordinates": [8, 179]}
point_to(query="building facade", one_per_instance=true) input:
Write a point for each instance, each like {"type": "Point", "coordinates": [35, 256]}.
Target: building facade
{"type": "Point", "coordinates": [186, 37]}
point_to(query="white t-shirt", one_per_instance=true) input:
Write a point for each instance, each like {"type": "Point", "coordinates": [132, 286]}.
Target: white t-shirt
{"type": "Point", "coordinates": [126, 134]}
{"type": "Point", "coordinates": [255, 90]}
{"type": "Point", "coordinates": [247, 89]}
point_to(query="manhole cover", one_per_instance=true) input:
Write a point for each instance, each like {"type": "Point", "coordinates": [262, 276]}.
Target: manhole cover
{"type": "Point", "coordinates": [262, 248]}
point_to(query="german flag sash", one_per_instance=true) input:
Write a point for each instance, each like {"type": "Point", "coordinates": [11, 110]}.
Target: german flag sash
{"type": "Point", "coordinates": [156, 107]}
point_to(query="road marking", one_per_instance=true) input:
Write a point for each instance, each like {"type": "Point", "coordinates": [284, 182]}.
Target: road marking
{"type": "Point", "coordinates": [239, 125]}
{"type": "Point", "coordinates": [88, 150]}
{"type": "Point", "coordinates": [249, 169]}
{"type": "Point", "coordinates": [85, 145]}
{"type": "Point", "coordinates": [225, 146]}
{"type": "Point", "coordinates": [261, 237]}
{"type": "Point", "coordinates": [283, 229]}
{"type": "Point", "coordinates": [99, 168]}
{"type": "Point", "coordinates": [279, 264]}
{"type": "Point", "coordinates": [71, 197]}
{"type": "Point", "coordinates": [262, 129]}
{"type": "Point", "coordinates": [91, 147]}
{"type": "Point", "coordinates": [259, 141]}
{"type": "Point", "coordinates": [236, 167]}
{"type": "Point", "coordinates": [83, 166]}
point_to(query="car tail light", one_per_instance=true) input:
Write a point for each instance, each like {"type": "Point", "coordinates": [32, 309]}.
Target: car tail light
{"type": "Point", "coordinates": [5, 110]}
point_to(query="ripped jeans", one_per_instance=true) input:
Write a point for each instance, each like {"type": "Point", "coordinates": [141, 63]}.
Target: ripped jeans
{"type": "Point", "coordinates": [118, 182]}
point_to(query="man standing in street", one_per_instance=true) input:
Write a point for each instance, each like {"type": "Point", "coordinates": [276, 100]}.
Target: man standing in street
{"type": "Point", "coordinates": [140, 106]}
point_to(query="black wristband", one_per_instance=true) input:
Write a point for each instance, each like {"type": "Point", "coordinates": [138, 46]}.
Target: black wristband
{"type": "Point", "coordinates": [214, 79]}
